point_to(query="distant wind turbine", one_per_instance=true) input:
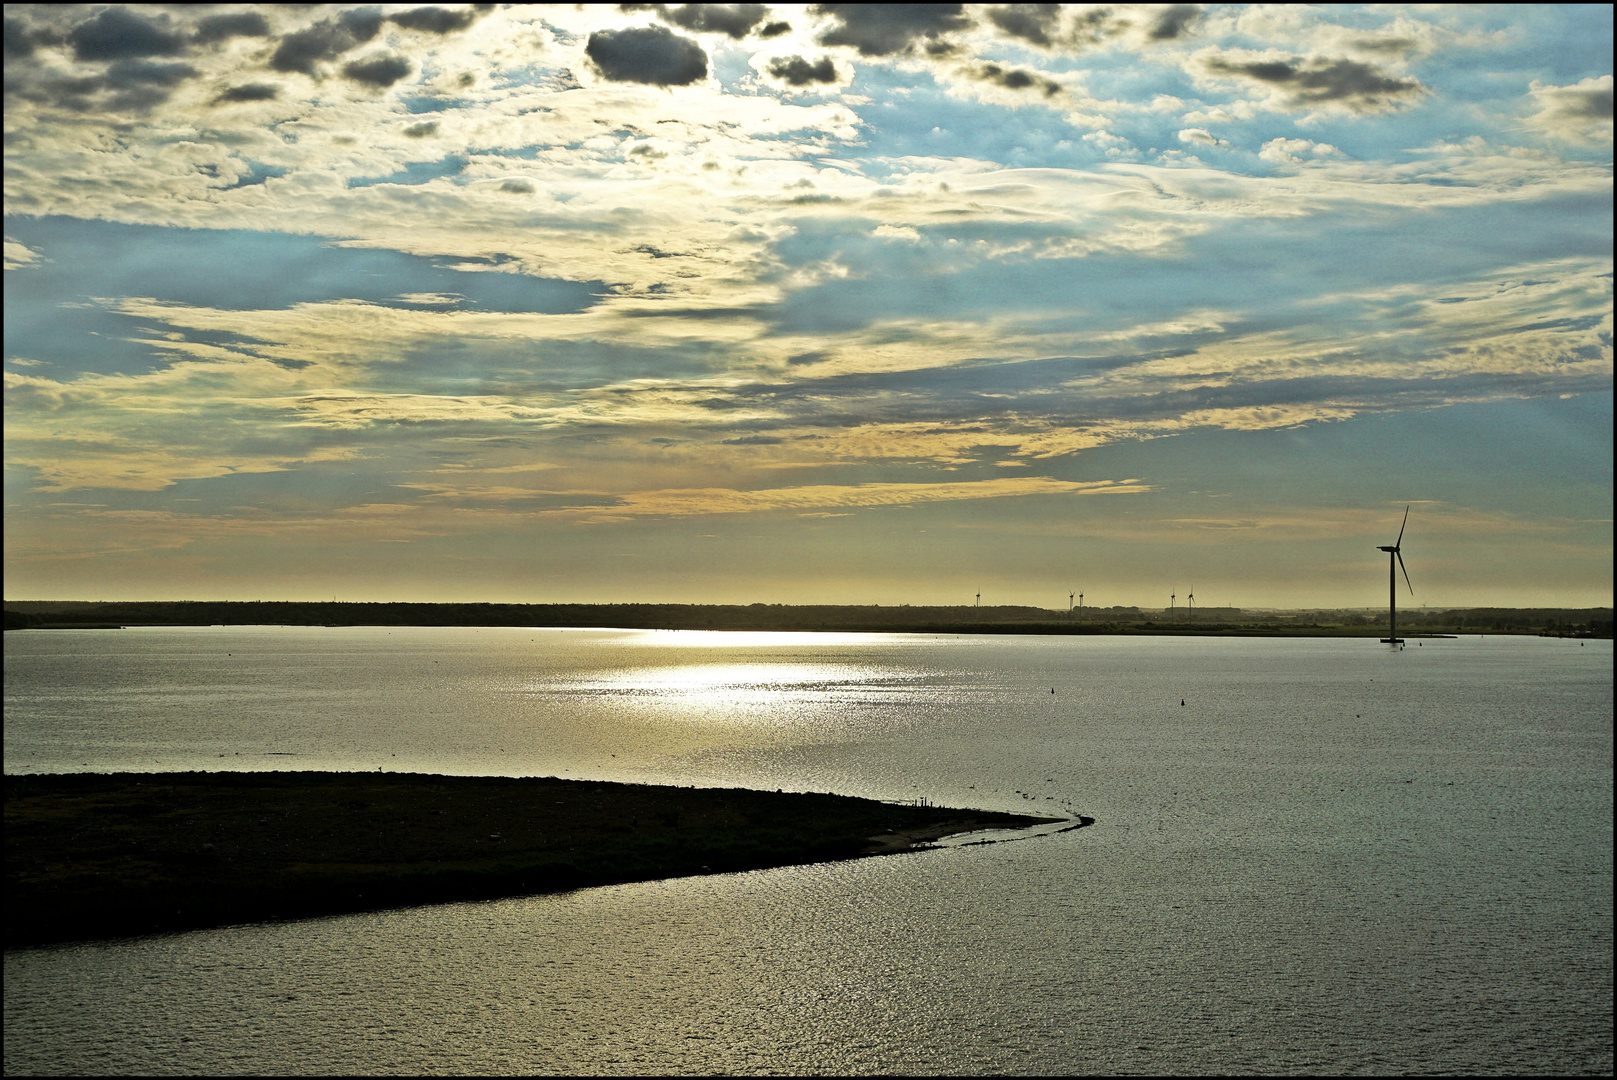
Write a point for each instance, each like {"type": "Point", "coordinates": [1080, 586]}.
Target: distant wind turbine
{"type": "Point", "coordinates": [979, 600]}
{"type": "Point", "coordinates": [1190, 616]}
{"type": "Point", "coordinates": [1395, 555]}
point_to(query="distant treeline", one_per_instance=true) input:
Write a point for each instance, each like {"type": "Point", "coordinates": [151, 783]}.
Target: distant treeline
{"type": "Point", "coordinates": [1583, 622]}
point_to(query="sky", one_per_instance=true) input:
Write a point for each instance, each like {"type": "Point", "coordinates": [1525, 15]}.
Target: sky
{"type": "Point", "coordinates": [849, 304]}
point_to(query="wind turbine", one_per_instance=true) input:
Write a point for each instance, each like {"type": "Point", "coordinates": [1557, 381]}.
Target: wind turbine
{"type": "Point", "coordinates": [979, 600]}
{"type": "Point", "coordinates": [1395, 555]}
{"type": "Point", "coordinates": [1191, 615]}
{"type": "Point", "coordinates": [1171, 599]}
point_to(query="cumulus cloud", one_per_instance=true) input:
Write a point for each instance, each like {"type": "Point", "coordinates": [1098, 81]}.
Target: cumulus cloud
{"type": "Point", "coordinates": [437, 20]}
{"type": "Point", "coordinates": [891, 29]}
{"type": "Point", "coordinates": [1173, 22]}
{"type": "Point", "coordinates": [1013, 78]}
{"type": "Point", "coordinates": [653, 55]}
{"type": "Point", "coordinates": [127, 86]}
{"type": "Point", "coordinates": [380, 71]}
{"type": "Point", "coordinates": [1291, 151]}
{"type": "Point", "coordinates": [1033, 23]}
{"type": "Point", "coordinates": [797, 71]}
{"type": "Point", "coordinates": [1066, 27]}
{"type": "Point", "coordinates": [249, 92]}
{"type": "Point", "coordinates": [20, 38]}
{"type": "Point", "coordinates": [327, 39]}
{"type": "Point", "coordinates": [116, 33]}
{"type": "Point", "coordinates": [1201, 137]}
{"type": "Point", "coordinates": [1581, 112]}
{"type": "Point", "coordinates": [732, 20]}
{"type": "Point", "coordinates": [216, 28]}
{"type": "Point", "coordinates": [1298, 83]}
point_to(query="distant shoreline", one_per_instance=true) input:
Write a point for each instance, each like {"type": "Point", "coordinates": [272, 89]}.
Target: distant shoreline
{"type": "Point", "coordinates": [100, 855]}
{"type": "Point", "coordinates": [1203, 622]}
{"type": "Point", "coordinates": [972, 629]}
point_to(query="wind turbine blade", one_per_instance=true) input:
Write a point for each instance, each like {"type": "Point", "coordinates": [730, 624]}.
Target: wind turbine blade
{"type": "Point", "coordinates": [1400, 539]}
{"type": "Point", "coordinates": [1401, 566]}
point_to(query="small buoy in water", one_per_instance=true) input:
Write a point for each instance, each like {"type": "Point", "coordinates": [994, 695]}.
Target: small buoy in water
{"type": "Point", "coordinates": [1052, 689]}
{"type": "Point", "coordinates": [1181, 702]}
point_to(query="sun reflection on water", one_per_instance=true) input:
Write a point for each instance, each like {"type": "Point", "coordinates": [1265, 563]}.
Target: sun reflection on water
{"type": "Point", "coordinates": [739, 683]}
{"type": "Point", "coordinates": [774, 693]}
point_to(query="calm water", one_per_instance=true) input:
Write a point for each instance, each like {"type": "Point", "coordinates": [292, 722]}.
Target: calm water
{"type": "Point", "coordinates": [1331, 858]}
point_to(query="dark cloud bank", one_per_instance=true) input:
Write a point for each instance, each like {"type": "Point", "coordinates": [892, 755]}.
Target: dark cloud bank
{"type": "Point", "coordinates": [131, 61]}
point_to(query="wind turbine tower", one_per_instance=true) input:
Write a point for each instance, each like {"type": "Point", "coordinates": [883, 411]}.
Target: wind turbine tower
{"type": "Point", "coordinates": [1171, 598]}
{"type": "Point", "coordinates": [1395, 555]}
{"type": "Point", "coordinates": [1190, 615]}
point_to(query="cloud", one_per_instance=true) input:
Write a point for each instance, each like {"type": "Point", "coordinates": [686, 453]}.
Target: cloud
{"type": "Point", "coordinates": [127, 86]}
{"type": "Point", "coordinates": [436, 20]}
{"type": "Point", "coordinates": [20, 38]}
{"type": "Point", "coordinates": [422, 129]}
{"type": "Point", "coordinates": [732, 20]}
{"type": "Point", "coordinates": [1033, 23]}
{"type": "Point", "coordinates": [380, 71]}
{"type": "Point", "coordinates": [250, 92]}
{"type": "Point", "coordinates": [1071, 28]}
{"type": "Point", "coordinates": [692, 501]}
{"type": "Point", "coordinates": [1173, 22]}
{"type": "Point", "coordinates": [116, 33]}
{"type": "Point", "coordinates": [650, 54]}
{"type": "Point", "coordinates": [216, 28]}
{"type": "Point", "coordinates": [1581, 112]}
{"type": "Point", "coordinates": [19, 255]}
{"type": "Point", "coordinates": [1300, 83]}
{"type": "Point", "coordinates": [1201, 137]}
{"type": "Point", "coordinates": [1290, 151]}
{"type": "Point", "coordinates": [1013, 78]}
{"type": "Point", "coordinates": [325, 40]}
{"type": "Point", "coordinates": [891, 29]}
{"type": "Point", "coordinates": [798, 72]}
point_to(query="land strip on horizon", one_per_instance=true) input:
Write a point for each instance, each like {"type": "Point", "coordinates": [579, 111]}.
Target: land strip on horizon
{"type": "Point", "coordinates": [964, 619]}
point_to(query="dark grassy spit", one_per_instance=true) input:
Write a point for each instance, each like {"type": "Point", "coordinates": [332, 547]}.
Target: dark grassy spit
{"type": "Point", "coordinates": [103, 855]}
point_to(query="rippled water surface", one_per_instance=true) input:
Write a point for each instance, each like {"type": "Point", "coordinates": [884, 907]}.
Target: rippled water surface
{"type": "Point", "coordinates": [1330, 858]}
